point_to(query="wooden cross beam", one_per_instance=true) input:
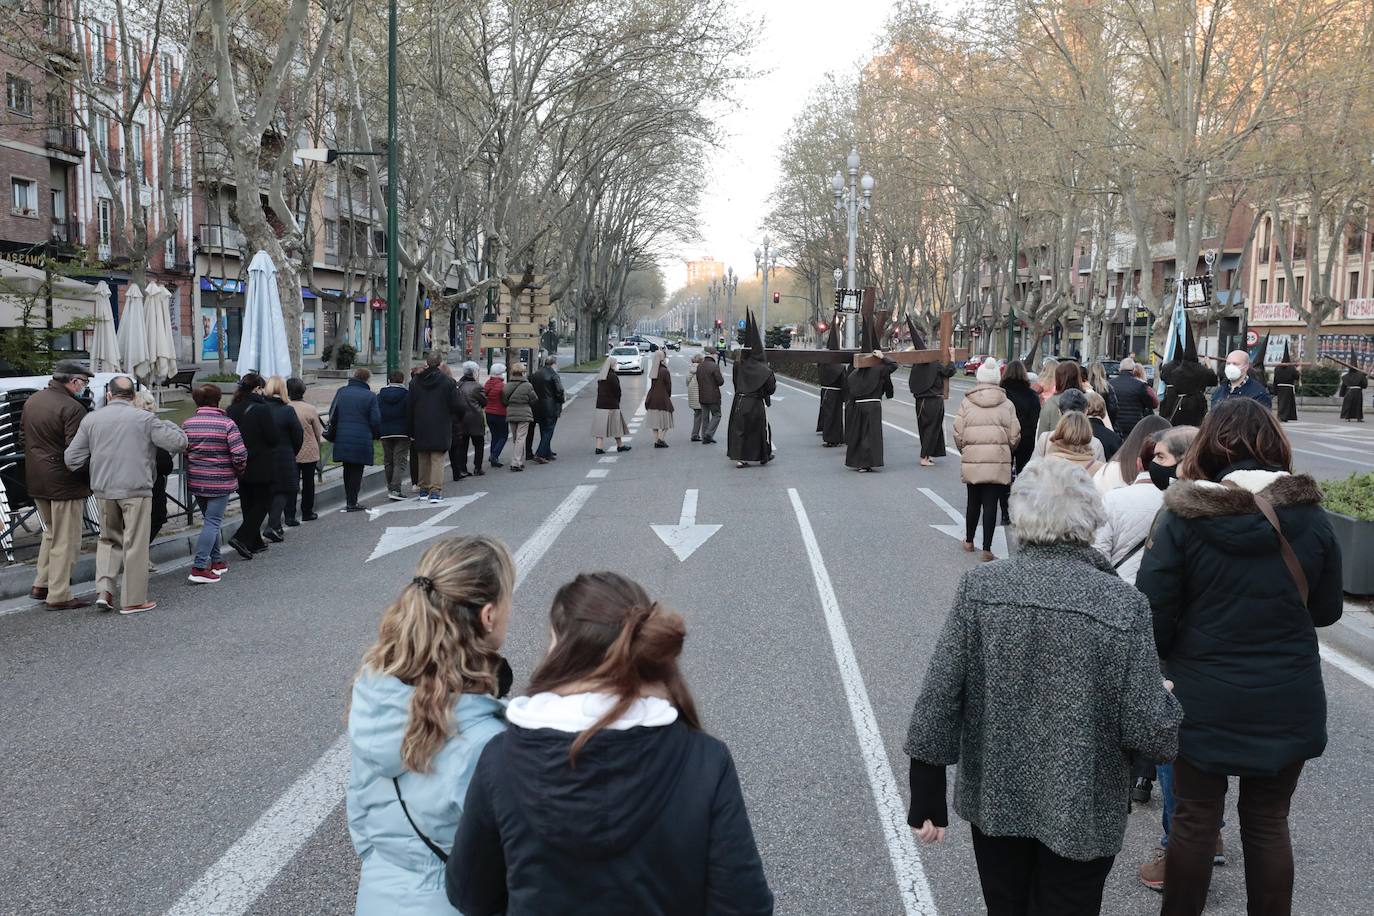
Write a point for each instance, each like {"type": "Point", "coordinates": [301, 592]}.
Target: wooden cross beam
{"type": "Point", "coordinates": [861, 360]}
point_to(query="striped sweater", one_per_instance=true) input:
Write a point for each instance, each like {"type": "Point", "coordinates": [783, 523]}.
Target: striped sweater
{"type": "Point", "coordinates": [215, 455]}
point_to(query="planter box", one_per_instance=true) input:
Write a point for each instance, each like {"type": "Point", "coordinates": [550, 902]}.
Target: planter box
{"type": "Point", "coordinates": [1356, 538]}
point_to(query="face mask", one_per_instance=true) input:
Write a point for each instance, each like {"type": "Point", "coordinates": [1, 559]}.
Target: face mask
{"type": "Point", "coordinates": [1233, 372]}
{"type": "Point", "coordinates": [1162, 476]}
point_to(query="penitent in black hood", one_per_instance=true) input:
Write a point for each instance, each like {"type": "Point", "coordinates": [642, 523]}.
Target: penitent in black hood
{"type": "Point", "coordinates": [599, 807]}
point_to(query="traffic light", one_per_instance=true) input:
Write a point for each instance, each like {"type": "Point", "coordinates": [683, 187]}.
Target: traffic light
{"type": "Point", "coordinates": [822, 327]}
{"type": "Point", "coordinates": [719, 324]}
{"type": "Point", "coordinates": [777, 297]}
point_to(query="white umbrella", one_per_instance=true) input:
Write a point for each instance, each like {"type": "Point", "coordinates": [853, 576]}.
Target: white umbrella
{"type": "Point", "coordinates": [132, 336]}
{"type": "Point", "coordinates": [105, 346]}
{"type": "Point", "coordinates": [157, 323]}
{"type": "Point", "coordinates": [262, 346]}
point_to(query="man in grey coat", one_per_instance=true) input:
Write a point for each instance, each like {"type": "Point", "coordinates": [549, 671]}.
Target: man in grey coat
{"type": "Point", "coordinates": [1043, 684]}
{"type": "Point", "coordinates": [709, 382]}
{"type": "Point", "coordinates": [119, 442]}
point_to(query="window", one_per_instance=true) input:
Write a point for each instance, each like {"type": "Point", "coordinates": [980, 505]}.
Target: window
{"type": "Point", "coordinates": [24, 196]}
{"type": "Point", "coordinates": [1264, 291]}
{"type": "Point", "coordinates": [1265, 245]}
{"type": "Point", "coordinates": [101, 65]}
{"type": "Point", "coordinates": [170, 255]}
{"type": "Point", "coordinates": [140, 164]}
{"type": "Point", "coordinates": [1278, 288]}
{"type": "Point", "coordinates": [19, 94]}
{"type": "Point", "coordinates": [1297, 290]}
{"type": "Point", "coordinates": [101, 135]}
{"type": "Point", "coordinates": [134, 65]}
{"type": "Point", "coordinates": [165, 80]}
{"type": "Point", "coordinates": [59, 204]}
{"type": "Point", "coordinates": [1299, 243]}
{"type": "Point", "coordinates": [104, 219]}
{"type": "Point", "coordinates": [1353, 290]}
{"type": "Point", "coordinates": [331, 235]}
{"type": "Point", "coordinates": [1354, 239]}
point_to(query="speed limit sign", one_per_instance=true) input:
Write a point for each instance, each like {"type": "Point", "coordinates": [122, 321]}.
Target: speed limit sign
{"type": "Point", "coordinates": [1251, 338]}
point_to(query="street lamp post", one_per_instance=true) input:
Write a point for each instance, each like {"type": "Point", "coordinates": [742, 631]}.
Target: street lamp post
{"type": "Point", "coordinates": [766, 260]}
{"type": "Point", "coordinates": [850, 201]}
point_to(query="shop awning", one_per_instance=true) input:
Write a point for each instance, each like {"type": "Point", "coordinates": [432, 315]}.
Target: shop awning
{"type": "Point", "coordinates": [21, 286]}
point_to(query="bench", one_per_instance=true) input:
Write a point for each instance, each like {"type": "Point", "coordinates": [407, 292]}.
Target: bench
{"type": "Point", "coordinates": [186, 378]}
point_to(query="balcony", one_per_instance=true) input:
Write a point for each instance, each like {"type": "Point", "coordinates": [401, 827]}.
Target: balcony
{"type": "Point", "coordinates": [114, 156]}
{"type": "Point", "coordinates": [65, 139]}
{"type": "Point", "coordinates": [224, 239]}
{"type": "Point", "coordinates": [60, 44]}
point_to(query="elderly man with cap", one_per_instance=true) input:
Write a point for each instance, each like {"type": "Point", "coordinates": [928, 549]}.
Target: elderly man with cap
{"type": "Point", "coordinates": [1239, 383]}
{"type": "Point", "coordinates": [119, 444]}
{"type": "Point", "coordinates": [51, 419]}
{"type": "Point", "coordinates": [1134, 399]}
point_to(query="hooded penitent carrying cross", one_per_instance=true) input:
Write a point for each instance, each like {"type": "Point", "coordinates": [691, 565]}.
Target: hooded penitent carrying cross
{"type": "Point", "coordinates": [1186, 382]}
{"type": "Point", "coordinates": [750, 439]}
{"type": "Point", "coordinates": [929, 383]}
{"type": "Point", "coordinates": [830, 421]}
{"type": "Point", "coordinates": [1286, 381]}
{"type": "Point", "coordinates": [863, 421]}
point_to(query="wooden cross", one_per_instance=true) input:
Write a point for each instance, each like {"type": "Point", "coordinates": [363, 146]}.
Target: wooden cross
{"type": "Point", "coordinates": [861, 360]}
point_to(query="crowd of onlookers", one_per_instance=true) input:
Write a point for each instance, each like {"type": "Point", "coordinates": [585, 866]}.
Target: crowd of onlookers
{"type": "Point", "coordinates": [266, 447]}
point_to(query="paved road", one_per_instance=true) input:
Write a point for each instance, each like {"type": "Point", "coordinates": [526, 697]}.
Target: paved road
{"type": "Point", "coordinates": [189, 760]}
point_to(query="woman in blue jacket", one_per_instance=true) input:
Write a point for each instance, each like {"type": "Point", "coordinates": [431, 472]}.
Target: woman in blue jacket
{"type": "Point", "coordinates": [355, 420]}
{"type": "Point", "coordinates": [424, 706]}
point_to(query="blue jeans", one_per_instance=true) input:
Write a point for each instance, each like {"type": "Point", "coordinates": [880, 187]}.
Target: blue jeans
{"type": "Point", "coordinates": [546, 427]}
{"type": "Point", "coordinates": [1164, 778]}
{"type": "Point", "coordinates": [207, 545]}
{"type": "Point", "coordinates": [500, 431]}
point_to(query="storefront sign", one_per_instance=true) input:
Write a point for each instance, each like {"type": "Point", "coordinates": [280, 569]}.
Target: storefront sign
{"type": "Point", "coordinates": [1360, 309]}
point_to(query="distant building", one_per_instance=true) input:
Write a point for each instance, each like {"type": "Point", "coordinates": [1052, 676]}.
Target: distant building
{"type": "Point", "coordinates": [704, 270]}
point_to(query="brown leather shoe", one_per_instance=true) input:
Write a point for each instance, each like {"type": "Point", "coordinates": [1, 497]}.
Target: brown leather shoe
{"type": "Point", "coordinates": [68, 605]}
{"type": "Point", "coordinates": [38, 594]}
{"type": "Point", "coordinates": [1151, 872]}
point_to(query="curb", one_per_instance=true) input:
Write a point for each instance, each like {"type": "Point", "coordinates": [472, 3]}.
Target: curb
{"type": "Point", "coordinates": [15, 580]}
{"type": "Point", "coordinates": [1352, 635]}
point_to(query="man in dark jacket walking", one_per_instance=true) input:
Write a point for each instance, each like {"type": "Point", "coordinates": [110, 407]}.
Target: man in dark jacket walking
{"type": "Point", "coordinates": [548, 387]}
{"type": "Point", "coordinates": [429, 423]}
{"type": "Point", "coordinates": [394, 403]}
{"type": "Point", "coordinates": [1134, 400]}
{"type": "Point", "coordinates": [709, 382]}
{"type": "Point", "coordinates": [471, 428]}
{"type": "Point", "coordinates": [355, 421]}
{"type": "Point", "coordinates": [50, 420]}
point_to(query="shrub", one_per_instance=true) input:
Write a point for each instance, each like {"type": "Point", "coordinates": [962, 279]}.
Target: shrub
{"type": "Point", "coordinates": [1319, 382]}
{"type": "Point", "coordinates": [347, 353]}
{"type": "Point", "coordinates": [1353, 496]}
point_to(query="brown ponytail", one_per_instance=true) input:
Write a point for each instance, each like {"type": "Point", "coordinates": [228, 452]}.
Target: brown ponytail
{"type": "Point", "coordinates": [610, 634]}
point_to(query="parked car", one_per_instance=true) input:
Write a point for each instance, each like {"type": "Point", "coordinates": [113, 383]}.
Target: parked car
{"type": "Point", "coordinates": [628, 360]}
{"type": "Point", "coordinates": [972, 364]}
{"type": "Point", "coordinates": [674, 345]}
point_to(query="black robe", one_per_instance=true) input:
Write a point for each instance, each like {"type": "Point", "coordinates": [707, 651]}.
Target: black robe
{"type": "Point", "coordinates": [830, 422]}
{"type": "Point", "coordinates": [927, 384]}
{"type": "Point", "coordinates": [749, 438]}
{"type": "Point", "coordinates": [1286, 380]}
{"type": "Point", "coordinates": [863, 422]}
{"type": "Point", "coordinates": [1353, 384]}
{"type": "Point", "coordinates": [1186, 384]}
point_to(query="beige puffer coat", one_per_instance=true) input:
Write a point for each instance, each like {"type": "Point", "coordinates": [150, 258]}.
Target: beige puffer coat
{"type": "Point", "coordinates": [985, 432]}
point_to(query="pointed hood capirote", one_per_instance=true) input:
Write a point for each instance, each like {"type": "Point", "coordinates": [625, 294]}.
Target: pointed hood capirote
{"type": "Point", "coordinates": [753, 341]}
{"type": "Point", "coordinates": [869, 339]}
{"type": "Point", "coordinates": [1287, 357]}
{"type": "Point", "coordinates": [1188, 351]}
{"type": "Point", "coordinates": [918, 341]}
{"type": "Point", "coordinates": [832, 340]}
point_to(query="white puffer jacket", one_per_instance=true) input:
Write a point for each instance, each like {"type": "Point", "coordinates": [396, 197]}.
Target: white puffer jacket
{"type": "Point", "coordinates": [985, 432]}
{"type": "Point", "coordinates": [1131, 513]}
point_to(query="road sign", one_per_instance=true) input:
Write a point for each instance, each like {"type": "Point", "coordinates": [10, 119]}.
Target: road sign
{"type": "Point", "coordinates": [742, 324]}
{"type": "Point", "coordinates": [500, 342]}
{"type": "Point", "coordinates": [1251, 338]}
{"type": "Point", "coordinates": [508, 328]}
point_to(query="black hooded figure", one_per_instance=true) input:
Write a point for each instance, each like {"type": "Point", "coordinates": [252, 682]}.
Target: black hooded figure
{"type": "Point", "coordinates": [1185, 384]}
{"type": "Point", "coordinates": [750, 439]}
{"type": "Point", "coordinates": [830, 422]}
{"type": "Point", "coordinates": [1353, 385]}
{"type": "Point", "coordinates": [927, 383]}
{"type": "Point", "coordinates": [1286, 381]}
{"type": "Point", "coordinates": [863, 422]}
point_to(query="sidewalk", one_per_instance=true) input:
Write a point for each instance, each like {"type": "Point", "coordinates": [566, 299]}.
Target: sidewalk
{"type": "Point", "coordinates": [1353, 634]}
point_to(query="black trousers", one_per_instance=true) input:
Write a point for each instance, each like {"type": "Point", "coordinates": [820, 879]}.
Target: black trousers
{"type": "Point", "coordinates": [159, 516]}
{"type": "Point", "coordinates": [458, 455]}
{"type": "Point", "coordinates": [307, 492]}
{"type": "Point", "coordinates": [1023, 877]}
{"type": "Point", "coordinates": [254, 499]}
{"type": "Point", "coordinates": [983, 498]}
{"type": "Point", "coordinates": [353, 482]}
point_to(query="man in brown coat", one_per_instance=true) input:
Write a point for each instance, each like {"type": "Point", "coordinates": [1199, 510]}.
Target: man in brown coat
{"type": "Point", "coordinates": [51, 418]}
{"type": "Point", "coordinates": [709, 380]}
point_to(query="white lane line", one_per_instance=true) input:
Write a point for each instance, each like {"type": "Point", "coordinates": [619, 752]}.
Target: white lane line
{"type": "Point", "coordinates": [237, 879]}
{"type": "Point", "coordinates": [1358, 464]}
{"type": "Point", "coordinates": [609, 459]}
{"type": "Point", "coordinates": [597, 473]}
{"type": "Point", "coordinates": [901, 844]}
{"type": "Point", "coordinates": [571, 394]}
{"type": "Point", "coordinates": [1350, 666]}
{"type": "Point", "coordinates": [892, 426]}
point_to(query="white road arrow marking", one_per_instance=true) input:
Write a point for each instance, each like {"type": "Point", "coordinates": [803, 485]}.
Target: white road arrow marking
{"type": "Point", "coordinates": [686, 536]}
{"type": "Point", "coordinates": [394, 539]}
{"type": "Point", "coordinates": [957, 531]}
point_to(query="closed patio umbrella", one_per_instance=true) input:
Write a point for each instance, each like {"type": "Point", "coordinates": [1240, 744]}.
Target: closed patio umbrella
{"type": "Point", "coordinates": [105, 345]}
{"type": "Point", "coordinates": [157, 323]}
{"type": "Point", "coordinates": [262, 346]}
{"type": "Point", "coordinates": [133, 334]}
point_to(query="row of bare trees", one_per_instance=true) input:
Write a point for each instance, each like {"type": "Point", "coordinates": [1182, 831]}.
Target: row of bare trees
{"type": "Point", "coordinates": [561, 138]}
{"type": "Point", "coordinates": [1019, 144]}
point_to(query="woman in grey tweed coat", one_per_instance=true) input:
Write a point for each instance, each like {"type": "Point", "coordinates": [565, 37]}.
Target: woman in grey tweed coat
{"type": "Point", "coordinates": [1043, 684]}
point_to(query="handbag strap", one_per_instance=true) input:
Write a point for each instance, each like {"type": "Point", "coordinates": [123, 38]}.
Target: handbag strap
{"type": "Point", "coordinates": [1290, 559]}
{"type": "Point", "coordinates": [439, 853]}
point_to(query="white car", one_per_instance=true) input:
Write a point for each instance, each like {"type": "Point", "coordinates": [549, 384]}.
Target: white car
{"type": "Point", "coordinates": [627, 359]}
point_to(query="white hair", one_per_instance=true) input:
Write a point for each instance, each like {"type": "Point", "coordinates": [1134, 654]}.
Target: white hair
{"type": "Point", "coordinates": [144, 400]}
{"type": "Point", "coordinates": [1053, 502]}
{"type": "Point", "coordinates": [989, 372]}
{"type": "Point", "coordinates": [498, 369]}
{"type": "Point", "coordinates": [470, 369]}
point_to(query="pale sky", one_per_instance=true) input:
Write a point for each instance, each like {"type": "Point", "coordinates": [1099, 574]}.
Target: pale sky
{"type": "Point", "coordinates": [802, 41]}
